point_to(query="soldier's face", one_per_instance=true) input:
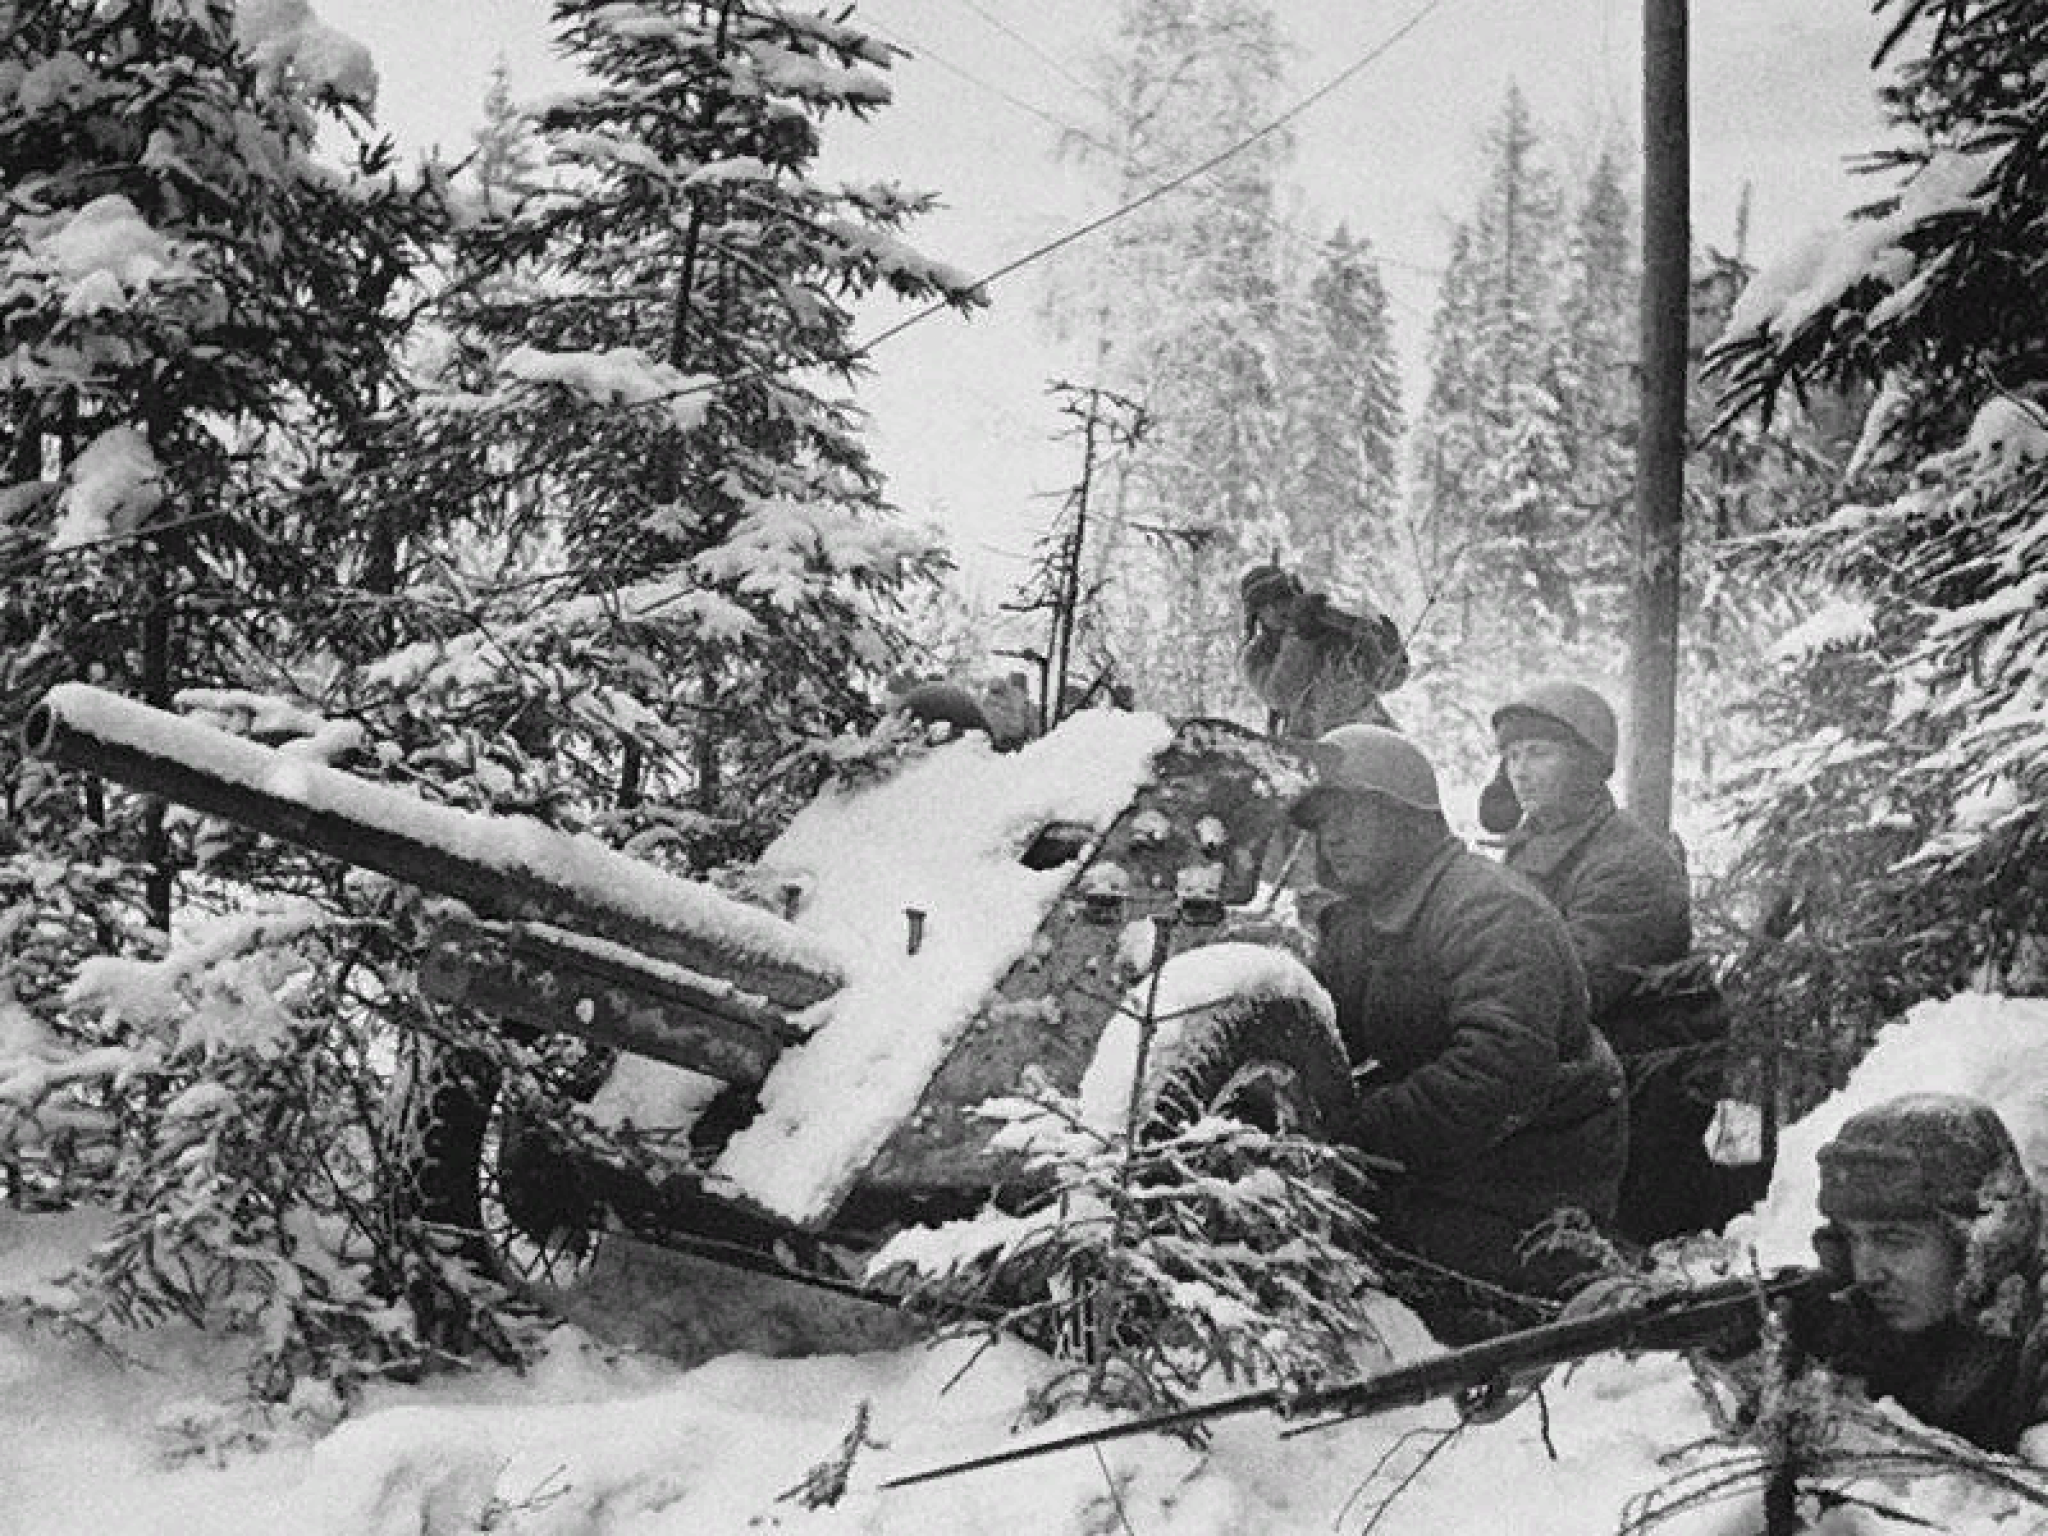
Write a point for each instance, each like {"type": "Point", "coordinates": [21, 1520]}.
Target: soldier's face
{"type": "Point", "coordinates": [1352, 843]}
{"type": "Point", "coordinates": [1545, 773]}
{"type": "Point", "coordinates": [1907, 1269]}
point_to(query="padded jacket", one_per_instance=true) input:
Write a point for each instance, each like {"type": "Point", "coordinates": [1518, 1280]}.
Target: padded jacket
{"type": "Point", "coordinates": [1463, 1009]}
{"type": "Point", "coordinates": [1622, 890]}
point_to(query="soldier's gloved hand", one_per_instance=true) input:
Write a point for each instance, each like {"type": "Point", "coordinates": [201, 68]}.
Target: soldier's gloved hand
{"type": "Point", "coordinates": [1283, 933]}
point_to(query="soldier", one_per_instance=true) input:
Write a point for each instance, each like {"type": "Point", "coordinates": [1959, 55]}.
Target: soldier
{"type": "Point", "coordinates": [1625, 898]}
{"type": "Point", "coordinates": [1462, 1007]}
{"type": "Point", "coordinates": [1315, 665]}
{"type": "Point", "coordinates": [1936, 1230]}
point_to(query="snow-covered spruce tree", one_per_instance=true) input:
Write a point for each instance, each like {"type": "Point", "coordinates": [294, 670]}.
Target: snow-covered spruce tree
{"type": "Point", "coordinates": [1340, 390]}
{"type": "Point", "coordinates": [1495, 510]}
{"type": "Point", "coordinates": [1901, 805]}
{"type": "Point", "coordinates": [1184, 302]}
{"type": "Point", "coordinates": [1148, 1266]}
{"type": "Point", "coordinates": [1594, 365]}
{"type": "Point", "coordinates": [666, 316]}
{"type": "Point", "coordinates": [507, 160]}
{"type": "Point", "coordinates": [661, 568]}
{"type": "Point", "coordinates": [198, 327]}
{"type": "Point", "coordinates": [178, 280]}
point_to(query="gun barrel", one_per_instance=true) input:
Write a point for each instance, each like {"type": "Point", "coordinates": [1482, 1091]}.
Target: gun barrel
{"type": "Point", "coordinates": [501, 866]}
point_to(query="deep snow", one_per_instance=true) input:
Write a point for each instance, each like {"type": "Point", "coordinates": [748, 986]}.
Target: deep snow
{"type": "Point", "coordinates": [595, 1443]}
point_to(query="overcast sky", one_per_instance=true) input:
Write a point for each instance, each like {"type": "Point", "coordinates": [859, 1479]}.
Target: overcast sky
{"type": "Point", "coordinates": [1782, 94]}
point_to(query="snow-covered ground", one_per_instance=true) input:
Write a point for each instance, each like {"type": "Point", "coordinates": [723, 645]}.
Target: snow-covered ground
{"type": "Point", "coordinates": [596, 1443]}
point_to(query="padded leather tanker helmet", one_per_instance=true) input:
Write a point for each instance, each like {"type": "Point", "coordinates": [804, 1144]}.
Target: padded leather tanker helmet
{"type": "Point", "coordinates": [1557, 707]}
{"type": "Point", "coordinates": [1366, 760]}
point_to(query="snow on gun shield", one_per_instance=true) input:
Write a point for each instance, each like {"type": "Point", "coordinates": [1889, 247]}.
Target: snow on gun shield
{"type": "Point", "coordinates": [849, 1044]}
{"type": "Point", "coordinates": [1727, 1315]}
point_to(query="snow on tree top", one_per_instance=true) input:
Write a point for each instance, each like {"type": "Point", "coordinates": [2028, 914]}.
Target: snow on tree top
{"type": "Point", "coordinates": [610, 147]}
{"type": "Point", "coordinates": [942, 836]}
{"type": "Point", "coordinates": [2008, 429]}
{"type": "Point", "coordinates": [668, 599]}
{"type": "Point", "coordinates": [613, 376]}
{"type": "Point", "coordinates": [776, 549]}
{"type": "Point", "coordinates": [1835, 625]}
{"type": "Point", "coordinates": [894, 257]}
{"type": "Point", "coordinates": [1780, 300]}
{"type": "Point", "coordinates": [110, 489]}
{"type": "Point", "coordinates": [286, 36]}
{"type": "Point", "coordinates": [784, 69]}
{"type": "Point", "coordinates": [733, 168]}
{"type": "Point", "coordinates": [107, 242]}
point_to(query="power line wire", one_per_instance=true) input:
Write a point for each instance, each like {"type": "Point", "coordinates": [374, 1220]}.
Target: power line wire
{"type": "Point", "coordinates": [1096, 141]}
{"type": "Point", "coordinates": [1343, 77]}
{"type": "Point", "coordinates": [920, 51]}
{"type": "Point", "coordinates": [1172, 184]}
{"type": "Point", "coordinates": [1057, 66]}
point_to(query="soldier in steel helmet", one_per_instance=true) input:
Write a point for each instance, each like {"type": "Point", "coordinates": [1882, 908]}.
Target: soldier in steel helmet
{"type": "Point", "coordinates": [1936, 1231]}
{"type": "Point", "coordinates": [1626, 900]}
{"type": "Point", "coordinates": [1462, 1005]}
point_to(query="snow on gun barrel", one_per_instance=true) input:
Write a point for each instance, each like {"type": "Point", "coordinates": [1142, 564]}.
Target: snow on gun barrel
{"type": "Point", "coordinates": [563, 895]}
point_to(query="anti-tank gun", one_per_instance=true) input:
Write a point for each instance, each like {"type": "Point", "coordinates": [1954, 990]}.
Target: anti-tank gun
{"type": "Point", "coordinates": [928, 942]}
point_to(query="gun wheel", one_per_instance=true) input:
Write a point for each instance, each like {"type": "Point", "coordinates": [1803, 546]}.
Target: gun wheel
{"type": "Point", "coordinates": [489, 1166]}
{"type": "Point", "coordinates": [542, 1230]}
{"type": "Point", "coordinates": [1271, 1063]}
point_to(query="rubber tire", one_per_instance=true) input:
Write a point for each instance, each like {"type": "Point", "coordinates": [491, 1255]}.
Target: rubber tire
{"type": "Point", "coordinates": [1269, 1061]}
{"type": "Point", "coordinates": [457, 1161]}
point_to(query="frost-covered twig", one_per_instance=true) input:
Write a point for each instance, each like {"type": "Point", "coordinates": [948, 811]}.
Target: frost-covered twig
{"type": "Point", "coordinates": [825, 1484]}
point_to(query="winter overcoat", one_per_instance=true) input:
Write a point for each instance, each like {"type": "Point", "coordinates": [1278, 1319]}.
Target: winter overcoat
{"type": "Point", "coordinates": [1626, 901]}
{"type": "Point", "coordinates": [1464, 1012]}
{"type": "Point", "coordinates": [1623, 893]}
{"type": "Point", "coordinates": [1317, 667]}
{"type": "Point", "coordinates": [1988, 1388]}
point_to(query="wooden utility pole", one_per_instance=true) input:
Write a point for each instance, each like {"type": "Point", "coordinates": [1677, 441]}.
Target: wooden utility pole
{"type": "Point", "coordinates": [1660, 441]}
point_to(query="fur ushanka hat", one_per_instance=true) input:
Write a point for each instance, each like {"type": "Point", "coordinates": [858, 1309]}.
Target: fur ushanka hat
{"type": "Point", "coordinates": [1947, 1158]}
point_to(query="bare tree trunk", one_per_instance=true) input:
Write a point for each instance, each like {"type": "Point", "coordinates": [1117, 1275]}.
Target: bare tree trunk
{"type": "Point", "coordinates": [1059, 660]}
{"type": "Point", "coordinates": [710, 724]}
{"type": "Point", "coordinates": [1660, 445]}
{"type": "Point", "coordinates": [160, 876]}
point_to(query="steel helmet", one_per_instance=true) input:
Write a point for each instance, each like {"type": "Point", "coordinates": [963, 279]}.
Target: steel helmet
{"type": "Point", "coordinates": [1580, 713]}
{"type": "Point", "coordinates": [1372, 760]}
